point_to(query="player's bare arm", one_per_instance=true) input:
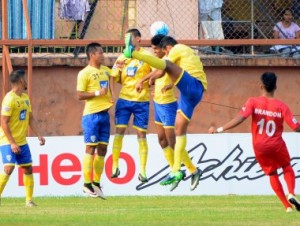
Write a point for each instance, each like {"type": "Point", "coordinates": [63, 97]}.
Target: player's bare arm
{"type": "Point", "coordinates": [229, 125]}
{"type": "Point", "coordinates": [34, 127]}
{"type": "Point", "coordinates": [5, 126]}
{"type": "Point", "coordinates": [156, 74]}
{"type": "Point", "coordinates": [88, 95]}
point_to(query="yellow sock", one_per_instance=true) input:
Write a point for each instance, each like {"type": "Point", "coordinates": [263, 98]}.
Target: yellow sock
{"type": "Point", "coordinates": [143, 150]}
{"type": "Point", "coordinates": [179, 148]}
{"type": "Point", "coordinates": [117, 146]}
{"type": "Point", "coordinates": [188, 162]}
{"type": "Point", "coordinates": [98, 167]}
{"type": "Point", "coordinates": [151, 60]}
{"type": "Point", "coordinates": [87, 168]}
{"type": "Point", "coordinates": [169, 155]}
{"type": "Point", "coordinates": [3, 180]}
{"type": "Point", "coordinates": [29, 184]}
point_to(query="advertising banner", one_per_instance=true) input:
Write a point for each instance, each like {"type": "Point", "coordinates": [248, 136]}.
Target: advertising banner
{"type": "Point", "coordinates": [227, 161]}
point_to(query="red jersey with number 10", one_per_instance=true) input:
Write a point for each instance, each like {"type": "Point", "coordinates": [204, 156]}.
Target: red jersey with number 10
{"type": "Point", "coordinates": [268, 115]}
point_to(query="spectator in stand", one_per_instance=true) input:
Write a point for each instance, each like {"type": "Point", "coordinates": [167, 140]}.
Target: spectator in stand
{"type": "Point", "coordinates": [286, 28]}
{"type": "Point", "coordinates": [209, 26]}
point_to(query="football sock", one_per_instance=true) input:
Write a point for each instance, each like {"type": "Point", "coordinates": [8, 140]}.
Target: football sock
{"type": "Point", "coordinates": [116, 150]}
{"type": "Point", "coordinates": [179, 148]}
{"type": "Point", "coordinates": [87, 168]}
{"type": "Point", "coordinates": [3, 180]}
{"type": "Point", "coordinates": [289, 177]}
{"type": "Point", "coordinates": [277, 188]}
{"type": "Point", "coordinates": [149, 59]}
{"type": "Point", "coordinates": [98, 168]}
{"type": "Point", "coordinates": [186, 160]}
{"type": "Point", "coordinates": [143, 150]}
{"type": "Point", "coordinates": [169, 155]}
{"type": "Point", "coordinates": [28, 184]}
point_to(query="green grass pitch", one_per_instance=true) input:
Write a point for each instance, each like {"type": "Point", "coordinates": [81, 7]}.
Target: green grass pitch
{"type": "Point", "coordinates": [148, 210]}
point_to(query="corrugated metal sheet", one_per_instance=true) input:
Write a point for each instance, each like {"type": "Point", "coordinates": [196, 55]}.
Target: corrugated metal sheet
{"type": "Point", "coordinates": [42, 19]}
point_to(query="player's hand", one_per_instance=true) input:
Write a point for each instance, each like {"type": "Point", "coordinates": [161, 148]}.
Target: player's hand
{"type": "Point", "coordinates": [212, 129]}
{"type": "Point", "coordinates": [42, 140]}
{"type": "Point", "coordinates": [103, 91]}
{"type": "Point", "coordinates": [15, 148]}
{"type": "Point", "coordinates": [139, 87]}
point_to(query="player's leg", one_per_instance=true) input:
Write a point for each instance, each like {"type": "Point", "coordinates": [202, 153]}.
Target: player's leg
{"type": "Point", "coordinates": [289, 177]}
{"type": "Point", "coordinates": [103, 135]}
{"type": "Point", "coordinates": [172, 69]}
{"type": "Point", "coordinates": [87, 168]}
{"type": "Point", "coordinates": [24, 160]}
{"type": "Point", "coordinates": [189, 98]}
{"type": "Point", "coordinates": [140, 123]}
{"type": "Point", "coordinates": [168, 151]}
{"type": "Point", "coordinates": [29, 185]}
{"type": "Point", "coordinates": [164, 117]}
{"type": "Point", "coordinates": [9, 166]}
{"type": "Point", "coordinates": [277, 188]}
{"type": "Point", "coordinates": [122, 116]}
{"type": "Point", "coordinates": [98, 166]}
{"type": "Point", "coordinates": [143, 152]}
{"type": "Point", "coordinates": [90, 128]}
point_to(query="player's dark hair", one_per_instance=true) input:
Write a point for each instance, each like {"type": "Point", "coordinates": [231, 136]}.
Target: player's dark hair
{"type": "Point", "coordinates": [269, 80]}
{"type": "Point", "coordinates": [16, 76]}
{"type": "Point", "coordinates": [92, 48]}
{"type": "Point", "coordinates": [156, 39]}
{"type": "Point", "coordinates": [168, 41]}
{"type": "Point", "coordinates": [135, 32]}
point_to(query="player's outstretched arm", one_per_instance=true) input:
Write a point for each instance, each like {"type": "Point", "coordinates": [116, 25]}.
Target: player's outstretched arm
{"type": "Point", "coordinates": [229, 125]}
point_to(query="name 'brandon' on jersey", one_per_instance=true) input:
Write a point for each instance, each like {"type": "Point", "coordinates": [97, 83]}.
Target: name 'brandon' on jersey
{"type": "Point", "coordinates": [267, 113]}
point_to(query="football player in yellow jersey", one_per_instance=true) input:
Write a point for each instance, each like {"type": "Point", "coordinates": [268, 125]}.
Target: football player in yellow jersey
{"type": "Point", "coordinates": [165, 108]}
{"type": "Point", "coordinates": [186, 72]}
{"type": "Point", "coordinates": [93, 87]}
{"type": "Point", "coordinates": [16, 116]}
{"type": "Point", "coordinates": [130, 102]}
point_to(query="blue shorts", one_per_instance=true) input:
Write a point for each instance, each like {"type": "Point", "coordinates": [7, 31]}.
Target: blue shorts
{"type": "Point", "coordinates": [10, 158]}
{"type": "Point", "coordinates": [96, 128]}
{"type": "Point", "coordinates": [125, 108]}
{"type": "Point", "coordinates": [191, 92]}
{"type": "Point", "coordinates": [165, 114]}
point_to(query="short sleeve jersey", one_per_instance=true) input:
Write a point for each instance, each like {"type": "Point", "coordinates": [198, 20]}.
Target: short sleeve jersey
{"type": "Point", "coordinates": [288, 32]}
{"type": "Point", "coordinates": [188, 60]}
{"type": "Point", "coordinates": [268, 115]}
{"type": "Point", "coordinates": [18, 108]}
{"type": "Point", "coordinates": [132, 72]}
{"type": "Point", "coordinates": [91, 79]}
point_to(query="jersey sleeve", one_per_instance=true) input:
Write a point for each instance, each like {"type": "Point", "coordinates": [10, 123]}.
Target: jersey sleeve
{"type": "Point", "coordinates": [289, 118]}
{"type": "Point", "coordinates": [81, 82]}
{"type": "Point", "coordinates": [7, 106]}
{"type": "Point", "coordinates": [174, 54]}
{"type": "Point", "coordinates": [247, 109]}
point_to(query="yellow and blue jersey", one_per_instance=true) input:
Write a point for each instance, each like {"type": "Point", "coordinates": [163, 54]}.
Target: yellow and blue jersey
{"type": "Point", "coordinates": [132, 72]}
{"type": "Point", "coordinates": [169, 95]}
{"type": "Point", "coordinates": [18, 108]}
{"type": "Point", "coordinates": [91, 79]}
{"type": "Point", "coordinates": [188, 60]}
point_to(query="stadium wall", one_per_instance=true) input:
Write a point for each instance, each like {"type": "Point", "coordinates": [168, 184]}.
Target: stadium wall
{"type": "Point", "coordinates": [230, 82]}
